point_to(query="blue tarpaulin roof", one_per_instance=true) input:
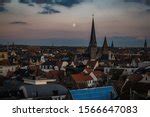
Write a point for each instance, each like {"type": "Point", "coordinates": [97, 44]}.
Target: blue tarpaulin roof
{"type": "Point", "coordinates": [99, 93]}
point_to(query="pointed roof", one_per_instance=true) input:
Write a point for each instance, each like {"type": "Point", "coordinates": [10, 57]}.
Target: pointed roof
{"type": "Point", "coordinates": [93, 41]}
{"type": "Point", "coordinates": [145, 44]}
{"type": "Point", "coordinates": [105, 44]}
{"type": "Point", "coordinates": [112, 44]}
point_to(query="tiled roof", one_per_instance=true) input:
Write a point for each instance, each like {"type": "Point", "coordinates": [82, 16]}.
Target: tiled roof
{"type": "Point", "coordinates": [5, 63]}
{"type": "Point", "coordinates": [34, 91]}
{"type": "Point", "coordinates": [88, 70]}
{"type": "Point", "coordinates": [91, 63]}
{"type": "Point", "coordinates": [135, 77]}
{"type": "Point", "coordinates": [81, 77]}
{"type": "Point", "coordinates": [54, 74]}
{"type": "Point", "coordinates": [99, 74]}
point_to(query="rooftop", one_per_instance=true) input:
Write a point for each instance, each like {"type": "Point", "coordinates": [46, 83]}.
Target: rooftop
{"type": "Point", "coordinates": [100, 93]}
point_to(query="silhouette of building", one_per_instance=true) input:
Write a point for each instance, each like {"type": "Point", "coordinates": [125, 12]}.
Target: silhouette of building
{"type": "Point", "coordinates": [112, 45]}
{"type": "Point", "coordinates": [93, 52]}
{"type": "Point", "coordinates": [105, 47]}
{"type": "Point", "coordinates": [92, 48]}
{"type": "Point", "coordinates": [145, 44]}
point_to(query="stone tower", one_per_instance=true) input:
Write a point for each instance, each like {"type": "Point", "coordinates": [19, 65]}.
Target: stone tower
{"type": "Point", "coordinates": [105, 47]}
{"type": "Point", "coordinates": [92, 48]}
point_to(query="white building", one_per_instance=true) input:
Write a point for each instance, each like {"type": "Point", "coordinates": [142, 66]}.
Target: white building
{"type": "Point", "coordinates": [5, 69]}
{"type": "Point", "coordinates": [126, 70]}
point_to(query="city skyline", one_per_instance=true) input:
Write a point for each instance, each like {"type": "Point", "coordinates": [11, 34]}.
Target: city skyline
{"type": "Point", "coordinates": [126, 23]}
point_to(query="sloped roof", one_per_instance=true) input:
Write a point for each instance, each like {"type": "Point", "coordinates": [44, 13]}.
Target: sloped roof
{"type": "Point", "coordinates": [31, 91]}
{"type": "Point", "coordinates": [88, 70]}
{"type": "Point", "coordinates": [105, 44]}
{"type": "Point", "coordinates": [5, 63]}
{"type": "Point", "coordinates": [81, 77]}
{"type": "Point", "coordinates": [55, 74]}
{"type": "Point", "coordinates": [135, 77]}
{"type": "Point", "coordinates": [93, 41]}
{"type": "Point", "coordinates": [91, 63]}
{"type": "Point", "coordinates": [52, 63]}
{"type": "Point", "coordinates": [99, 74]}
{"type": "Point", "coordinates": [99, 93]}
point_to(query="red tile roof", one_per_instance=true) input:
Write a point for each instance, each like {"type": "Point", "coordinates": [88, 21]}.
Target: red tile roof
{"type": "Point", "coordinates": [91, 63]}
{"type": "Point", "coordinates": [55, 74]}
{"type": "Point", "coordinates": [81, 77]}
{"type": "Point", "coordinates": [88, 70]}
{"type": "Point", "coordinates": [135, 77]}
{"type": "Point", "coordinates": [99, 74]}
{"type": "Point", "coordinates": [5, 63]}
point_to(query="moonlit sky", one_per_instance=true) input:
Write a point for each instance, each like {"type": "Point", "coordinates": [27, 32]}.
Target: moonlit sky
{"type": "Point", "coordinates": [126, 23]}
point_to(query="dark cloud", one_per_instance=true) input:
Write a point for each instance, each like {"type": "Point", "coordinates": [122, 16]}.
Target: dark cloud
{"type": "Point", "coordinates": [148, 10]}
{"type": "Point", "coordinates": [49, 3]}
{"type": "Point", "coordinates": [67, 3]}
{"type": "Point", "coordinates": [147, 2]}
{"type": "Point", "coordinates": [18, 22]}
{"type": "Point", "coordinates": [48, 10]}
{"type": "Point", "coordinates": [5, 1]}
{"type": "Point", "coordinates": [2, 9]}
{"type": "Point", "coordinates": [2, 5]}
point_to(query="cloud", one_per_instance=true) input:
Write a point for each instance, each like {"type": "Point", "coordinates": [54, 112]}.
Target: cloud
{"type": "Point", "coordinates": [2, 9]}
{"type": "Point", "coordinates": [66, 3]}
{"type": "Point", "coordinates": [48, 10]}
{"type": "Point", "coordinates": [146, 2]}
{"type": "Point", "coordinates": [19, 22]}
{"type": "Point", "coordinates": [5, 1]}
{"type": "Point", "coordinates": [148, 10]}
{"type": "Point", "coordinates": [112, 18]}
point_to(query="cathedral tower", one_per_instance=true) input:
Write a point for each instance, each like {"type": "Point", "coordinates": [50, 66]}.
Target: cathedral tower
{"type": "Point", "coordinates": [92, 49]}
{"type": "Point", "coordinates": [105, 47]}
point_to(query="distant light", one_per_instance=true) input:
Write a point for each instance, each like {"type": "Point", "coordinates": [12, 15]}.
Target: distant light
{"type": "Point", "coordinates": [74, 25]}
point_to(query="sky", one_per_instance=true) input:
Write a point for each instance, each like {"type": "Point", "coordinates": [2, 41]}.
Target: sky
{"type": "Point", "coordinates": [68, 22]}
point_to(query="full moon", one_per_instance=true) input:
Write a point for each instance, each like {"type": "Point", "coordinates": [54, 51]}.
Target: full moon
{"type": "Point", "coordinates": [74, 25]}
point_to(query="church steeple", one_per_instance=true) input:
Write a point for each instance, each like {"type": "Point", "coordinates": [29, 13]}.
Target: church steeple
{"type": "Point", "coordinates": [145, 44]}
{"type": "Point", "coordinates": [105, 47]}
{"type": "Point", "coordinates": [93, 41]}
{"type": "Point", "coordinates": [105, 44]}
{"type": "Point", "coordinates": [112, 44]}
{"type": "Point", "coordinates": [92, 49]}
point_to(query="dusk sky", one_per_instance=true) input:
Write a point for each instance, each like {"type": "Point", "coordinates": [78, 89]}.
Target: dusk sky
{"type": "Point", "coordinates": [66, 22]}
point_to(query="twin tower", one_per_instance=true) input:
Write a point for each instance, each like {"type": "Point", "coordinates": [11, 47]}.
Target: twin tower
{"type": "Point", "coordinates": [93, 51]}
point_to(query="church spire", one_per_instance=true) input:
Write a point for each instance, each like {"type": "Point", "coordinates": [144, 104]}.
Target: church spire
{"type": "Point", "coordinates": [105, 47]}
{"type": "Point", "coordinates": [145, 44]}
{"type": "Point", "coordinates": [92, 49]}
{"type": "Point", "coordinates": [93, 41]}
{"type": "Point", "coordinates": [112, 44]}
{"type": "Point", "coordinates": [105, 44]}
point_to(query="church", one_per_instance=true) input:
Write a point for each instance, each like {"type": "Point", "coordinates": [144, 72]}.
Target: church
{"type": "Point", "coordinates": [94, 52]}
